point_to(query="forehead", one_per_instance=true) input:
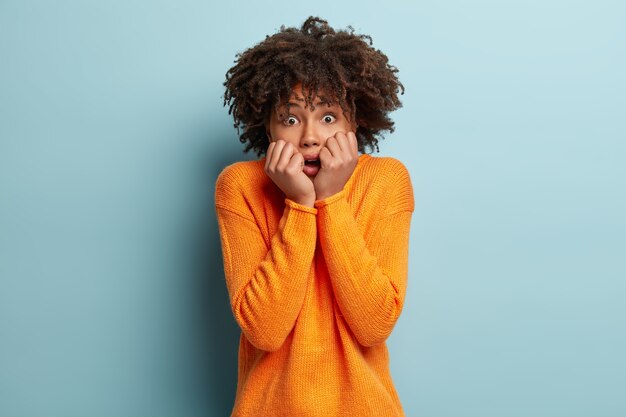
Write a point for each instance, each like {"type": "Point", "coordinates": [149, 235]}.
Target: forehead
{"type": "Point", "coordinates": [297, 98]}
{"type": "Point", "coordinates": [294, 103]}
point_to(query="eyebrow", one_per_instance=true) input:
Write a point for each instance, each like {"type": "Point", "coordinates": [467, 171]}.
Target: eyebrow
{"type": "Point", "coordinates": [291, 103]}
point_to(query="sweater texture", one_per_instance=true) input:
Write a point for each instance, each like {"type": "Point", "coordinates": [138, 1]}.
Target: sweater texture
{"type": "Point", "coordinates": [316, 290]}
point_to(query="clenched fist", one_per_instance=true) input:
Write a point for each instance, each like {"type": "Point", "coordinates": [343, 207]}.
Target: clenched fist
{"type": "Point", "coordinates": [338, 158]}
{"type": "Point", "coordinates": [284, 164]}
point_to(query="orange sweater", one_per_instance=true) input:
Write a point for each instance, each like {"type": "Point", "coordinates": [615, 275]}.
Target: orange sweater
{"type": "Point", "coordinates": [315, 290]}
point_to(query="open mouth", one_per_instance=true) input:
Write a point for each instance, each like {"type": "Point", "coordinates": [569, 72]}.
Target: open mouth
{"type": "Point", "coordinates": [312, 162]}
{"type": "Point", "coordinates": [311, 167]}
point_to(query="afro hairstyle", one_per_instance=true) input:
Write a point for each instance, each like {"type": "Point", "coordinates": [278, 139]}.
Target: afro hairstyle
{"type": "Point", "coordinates": [340, 63]}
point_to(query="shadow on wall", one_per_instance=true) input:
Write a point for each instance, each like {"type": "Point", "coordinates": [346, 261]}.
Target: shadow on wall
{"type": "Point", "coordinates": [218, 333]}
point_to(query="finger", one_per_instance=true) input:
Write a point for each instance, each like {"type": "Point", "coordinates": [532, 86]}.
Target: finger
{"type": "Point", "coordinates": [354, 144]}
{"type": "Point", "coordinates": [285, 156]}
{"type": "Point", "coordinates": [278, 148]}
{"type": "Point", "coordinates": [342, 141]}
{"type": "Point", "coordinates": [325, 156]}
{"type": "Point", "coordinates": [296, 163]}
{"type": "Point", "coordinates": [333, 146]}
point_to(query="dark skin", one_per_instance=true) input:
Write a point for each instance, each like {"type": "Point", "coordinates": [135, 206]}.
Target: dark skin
{"type": "Point", "coordinates": [340, 63]}
{"type": "Point", "coordinates": [325, 132]}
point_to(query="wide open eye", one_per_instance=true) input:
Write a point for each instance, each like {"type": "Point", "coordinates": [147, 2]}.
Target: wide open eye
{"type": "Point", "coordinates": [290, 120]}
{"type": "Point", "coordinates": [329, 118]}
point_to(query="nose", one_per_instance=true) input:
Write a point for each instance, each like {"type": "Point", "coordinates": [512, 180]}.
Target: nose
{"type": "Point", "coordinates": [310, 136]}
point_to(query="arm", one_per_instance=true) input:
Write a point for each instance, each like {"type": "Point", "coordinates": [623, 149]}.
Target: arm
{"type": "Point", "coordinates": [369, 278]}
{"type": "Point", "coordinates": [266, 286]}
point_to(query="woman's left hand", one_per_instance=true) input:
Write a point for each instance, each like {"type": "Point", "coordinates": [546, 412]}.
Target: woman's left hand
{"type": "Point", "coordinates": [338, 158]}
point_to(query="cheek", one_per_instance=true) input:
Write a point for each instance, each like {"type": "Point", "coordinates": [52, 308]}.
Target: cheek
{"type": "Point", "coordinates": [290, 135]}
{"type": "Point", "coordinates": [277, 133]}
{"type": "Point", "coordinates": [343, 127]}
{"type": "Point", "coordinates": [348, 127]}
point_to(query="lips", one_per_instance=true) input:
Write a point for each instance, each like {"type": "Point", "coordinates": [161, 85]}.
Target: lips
{"type": "Point", "coordinates": [311, 164]}
{"type": "Point", "coordinates": [311, 158]}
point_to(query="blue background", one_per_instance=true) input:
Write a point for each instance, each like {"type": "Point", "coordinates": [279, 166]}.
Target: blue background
{"type": "Point", "coordinates": [112, 133]}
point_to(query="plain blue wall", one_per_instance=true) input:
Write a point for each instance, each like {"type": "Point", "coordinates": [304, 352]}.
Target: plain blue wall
{"type": "Point", "coordinates": [112, 132]}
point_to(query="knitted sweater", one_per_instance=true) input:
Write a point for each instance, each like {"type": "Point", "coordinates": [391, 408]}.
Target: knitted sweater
{"type": "Point", "coordinates": [316, 290]}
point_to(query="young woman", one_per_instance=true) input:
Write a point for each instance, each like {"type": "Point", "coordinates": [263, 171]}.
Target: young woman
{"type": "Point", "coordinates": [315, 233]}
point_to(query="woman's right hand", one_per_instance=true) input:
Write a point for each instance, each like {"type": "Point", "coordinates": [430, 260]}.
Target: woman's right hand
{"type": "Point", "coordinates": [283, 164]}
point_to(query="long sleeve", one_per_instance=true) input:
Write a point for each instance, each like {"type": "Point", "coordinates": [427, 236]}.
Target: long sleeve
{"type": "Point", "coordinates": [266, 286]}
{"type": "Point", "coordinates": [311, 286]}
{"type": "Point", "coordinates": [369, 279]}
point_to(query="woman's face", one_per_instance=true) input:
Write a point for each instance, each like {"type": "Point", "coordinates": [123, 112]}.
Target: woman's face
{"type": "Point", "coordinates": [307, 130]}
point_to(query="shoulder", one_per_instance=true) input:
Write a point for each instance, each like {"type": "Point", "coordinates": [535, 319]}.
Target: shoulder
{"type": "Point", "coordinates": [240, 172]}
{"type": "Point", "coordinates": [387, 165]}
{"type": "Point", "coordinates": [386, 170]}
{"type": "Point", "coordinates": [237, 179]}
{"type": "Point", "coordinates": [390, 177]}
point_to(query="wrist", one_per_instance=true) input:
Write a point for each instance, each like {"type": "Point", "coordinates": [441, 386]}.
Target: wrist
{"type": "Point", "coordinates": [307, 200]}
{"type": "Point", "coordinates": [326, 194]}
{"type": "Point", "coordinates": [332, 199]}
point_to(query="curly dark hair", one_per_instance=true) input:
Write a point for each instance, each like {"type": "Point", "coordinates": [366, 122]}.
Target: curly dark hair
{"type": "Point", "coordinates": [340, 63]}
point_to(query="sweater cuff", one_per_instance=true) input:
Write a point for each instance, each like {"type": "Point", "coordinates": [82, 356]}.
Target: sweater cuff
{"type": "Point", "coordinates": [300, 207]}
{"type": "Point", "coordinates": [329, 200]}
